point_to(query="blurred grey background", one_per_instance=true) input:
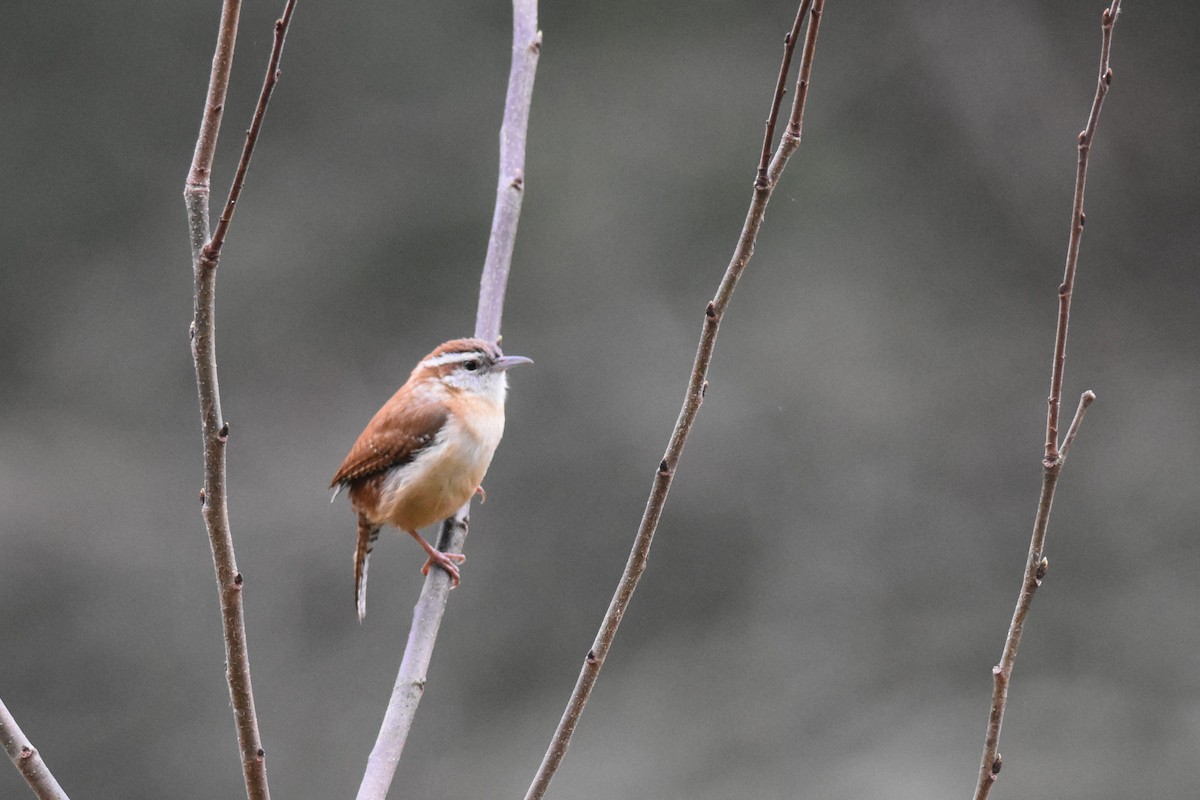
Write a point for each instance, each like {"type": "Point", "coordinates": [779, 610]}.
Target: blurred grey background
{"type": "Point", "coordinates": [839, 558]}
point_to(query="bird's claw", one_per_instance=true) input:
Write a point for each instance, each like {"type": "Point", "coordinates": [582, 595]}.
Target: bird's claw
{"type": "Point", "coordinates": [448, 562]}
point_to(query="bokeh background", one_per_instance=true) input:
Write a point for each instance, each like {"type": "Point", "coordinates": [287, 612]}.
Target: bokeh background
{"type": "Point", "coordinates": [837, 565]}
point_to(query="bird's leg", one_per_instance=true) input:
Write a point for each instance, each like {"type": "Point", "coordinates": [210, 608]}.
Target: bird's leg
{"type": "Point", "coordinates": [479, 491]}
{"type": "Point", "coordinates": [447, 561]}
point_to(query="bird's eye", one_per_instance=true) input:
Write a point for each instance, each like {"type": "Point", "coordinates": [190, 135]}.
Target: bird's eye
{"type": "Point", "coordinates": [471, 366]}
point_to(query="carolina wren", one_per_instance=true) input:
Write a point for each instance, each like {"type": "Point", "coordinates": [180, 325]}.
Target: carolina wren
{"type": "Point", "coordinates": [424, 453]}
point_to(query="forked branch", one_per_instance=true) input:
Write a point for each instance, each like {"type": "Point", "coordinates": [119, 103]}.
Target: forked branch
{"type": "Point", "coordinates": [27, 760]}
{"type": "Point", "coordinates": [1036, 563]}
{"type": "Point", "coordinates": [206, 253]}
{"type": "Point", "coordinates": [1107, 21]}
{"type": "Point", "coordinates": [213, 249]}
{"type": "Point", "coordinates": [766, 178]}
{"type": "Point", "coordinates": [431, 605]}
{"type": "Point", "coordinates": [785, 68]}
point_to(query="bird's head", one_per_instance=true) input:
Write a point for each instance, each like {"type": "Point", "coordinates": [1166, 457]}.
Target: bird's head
{"type": "Point", "coordinates": [474, 366]}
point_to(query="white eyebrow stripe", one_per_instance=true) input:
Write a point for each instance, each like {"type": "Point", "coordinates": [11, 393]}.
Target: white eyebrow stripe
{"type": "Point", "coordinates": [452, 358]}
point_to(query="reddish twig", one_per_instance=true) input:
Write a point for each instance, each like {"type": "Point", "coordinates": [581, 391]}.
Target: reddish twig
{"type": "Point", "coordinates": [427, 615]}
{"type": "Point", "coordinates": [1036, 564]}
{"type": "Point", "coordinates": [693, 397]}
{"type": "Point", "coordinates": [215, 430]}
{"type": "Point", "coordinates": [27, 760]}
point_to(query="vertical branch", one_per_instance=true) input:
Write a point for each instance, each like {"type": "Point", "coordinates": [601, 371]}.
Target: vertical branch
{"type": "Point", "coordinates": [510, 187]}
{"type": "Point", "coordinates": [215, 430]}
{"type": "Point", "coordinates": [431, 605]}
{"type": "Point", "coordinates": [1036, 564]}
{"type": "Point", "coordinates": [214, 105]}
{"type": "Point", "coordinates": [27, 760]}
{"type": "Point", "coordinates": [1108, 19]}
{"type": "Point", "coordinates": [693, 397]}
{"type": "Point", "coordinates": [196, 188]}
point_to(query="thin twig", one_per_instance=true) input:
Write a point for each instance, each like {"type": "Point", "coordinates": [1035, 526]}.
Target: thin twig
{"type": "Point", "coordinates": [214, 106]}
{"type": "Point", "coordinates": [796, 122]}
{"type": "Point", "coordinates": [213, 497]}
{"type": "Point", "coordinates": [213, 249]}
{"type": "Point", "coordinates": [27, 760]}
{"type": "Point", "coordinates": [431, 605]}
{"type": "Point", "coordinates": [1085, 400]}
{"type": "Point", "coordinates": [1036, 564]}
{"type": "Point", "coordinates": [785, 68]}
{"type": "Point", "coordinates": [1107, 20]}
{"type": "Point", "coordinates": [694, 396]}
{"type": "Point", "coordinates": [510, 186]}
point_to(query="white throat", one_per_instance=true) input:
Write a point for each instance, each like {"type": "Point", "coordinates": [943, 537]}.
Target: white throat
{"type": "Point", "coordinates": [491, 386]}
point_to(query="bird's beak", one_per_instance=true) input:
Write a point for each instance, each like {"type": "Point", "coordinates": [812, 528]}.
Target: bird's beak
{"type": "Point", "coordinates": [505, 362]}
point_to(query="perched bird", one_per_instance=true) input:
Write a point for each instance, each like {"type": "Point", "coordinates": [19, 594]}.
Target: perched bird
{"type": "Point", "coordinates": [425, 452]}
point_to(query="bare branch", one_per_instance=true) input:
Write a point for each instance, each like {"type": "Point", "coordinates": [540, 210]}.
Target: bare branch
{"type": "Point", "coordinates": [1036, 564]}
{"type": "Point", "coordinates": [427, 615]}
{"type": "Point", "coordinates": [213, 249]}
{"type": "Point", "coordinates": [196, 188]}
{"type": "Point", "coordinates": [215, 429]}
{"type": "Point", "coordinates": [1107, 21]}
{"type": "Point", "coordinates": [1085, 400]}
{"type": "Point", "coordinates": [785, 67]}
{"type": "Point", "coordinates": [218, 85]}
{"type": "Point", "coordinates": [27, 760]}
{"type": "Point", "coordinates": [796, 122]}
{"type": "Point", "coordinates": [694, 396]}
{"type": "Point", "coordinates": [510, 188]}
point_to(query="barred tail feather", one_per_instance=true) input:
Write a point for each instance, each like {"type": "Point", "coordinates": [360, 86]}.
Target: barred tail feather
{"type": "Point", "coordinates": [368, 532]}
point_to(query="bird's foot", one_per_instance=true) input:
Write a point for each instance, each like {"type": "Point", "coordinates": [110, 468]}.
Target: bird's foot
{"type": "Point", "coordinates": [479, 491]}
{"type": "Point", "coordinates": [448, 562]}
